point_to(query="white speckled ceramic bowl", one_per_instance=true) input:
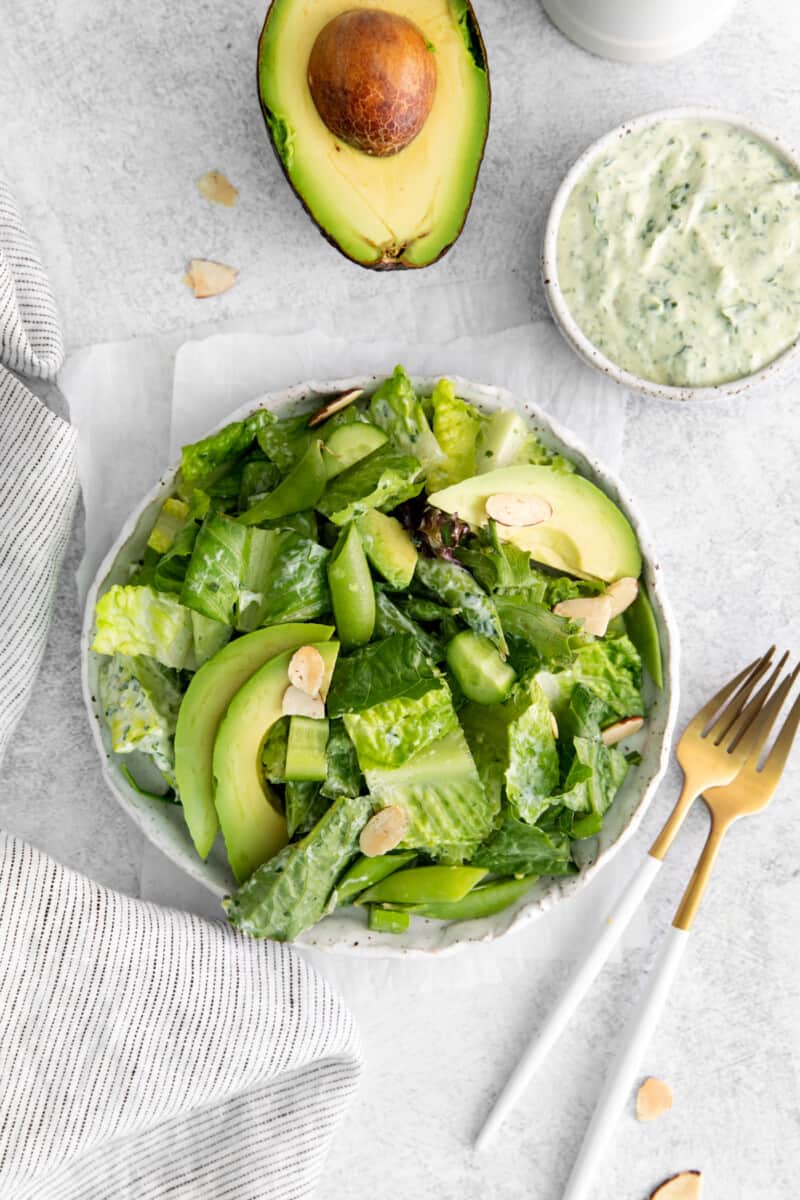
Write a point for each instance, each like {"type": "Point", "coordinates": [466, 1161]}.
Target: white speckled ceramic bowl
{"type": "Point", "coordinates": [549, 264]}
{"type": "Point", "coordinates": [345, 930]}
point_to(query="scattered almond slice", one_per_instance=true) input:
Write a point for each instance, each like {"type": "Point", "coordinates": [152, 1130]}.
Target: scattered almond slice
{"type": "Point", "coordinates": [686, 1186]}
{"type": "Point", "coordinates": [215, 187]}
{"type": "Point", "coordinates": [307, 670]}
{"type": "Point", "coordinates": [622, 593]}
{"type": "Point", "coordinates": [209, 278]}
{"type": "Point", "coordinates": [621, 730]}
{"type": "Point", "coordinates": [297, 703]}
{"type": "Point", "coordinates": [594, 611]}
{"type": "Point", "coordinates": [334, 405]}
{"type": "Point", "coordinates": [518, 509]}
{"type": "Point", "coordinates": [554, 725]}
{"type": "Point", "coordinates": [384, 831]}
{"type": "Point", "coordinates": [653, 1099]}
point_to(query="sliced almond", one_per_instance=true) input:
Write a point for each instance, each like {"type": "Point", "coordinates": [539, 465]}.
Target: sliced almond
{"type": "Point", "coordinates": [594, 611]}
{"type": "Point", "coordinates": [334, 405]}
{"type": "Point", "coordinates": [209, 278]}
{"type": "Point", "coordinates": [554, 725]}
{"type": "Point", "coordinates": [518, 509]}
{"type": "Point", "coordinates": [621, 730]}
{"type": "Point", "coordinates": [384, 831]}
{"type": "Point", "coordinates": [686, 1186]}
{"type": "Point", "coordinates": [215, 187]}
{"type": "Point", "coordinates": [622, 593]}
{"type": "Point", "coordinates": [307, 670]}
{"type": "Point", "coordinates": [297, 703]}
{"type": "Point", "coordinates": [653, 1099]}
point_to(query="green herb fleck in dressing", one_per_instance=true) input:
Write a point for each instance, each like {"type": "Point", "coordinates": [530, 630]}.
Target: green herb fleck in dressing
{"type": "Point", "coordinates": [679, 253]}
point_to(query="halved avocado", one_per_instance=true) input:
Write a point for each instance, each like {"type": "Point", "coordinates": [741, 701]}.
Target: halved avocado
{"type": "Point", "coordinates": [389, 206]}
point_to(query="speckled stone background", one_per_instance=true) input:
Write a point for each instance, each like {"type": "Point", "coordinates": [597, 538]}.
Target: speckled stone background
{"type": "Point", "coordinates": [108, 112]}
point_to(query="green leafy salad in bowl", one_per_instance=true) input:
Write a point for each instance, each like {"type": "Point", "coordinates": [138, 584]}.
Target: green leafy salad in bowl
{"type": "Point", "coordinates": [388, 662]}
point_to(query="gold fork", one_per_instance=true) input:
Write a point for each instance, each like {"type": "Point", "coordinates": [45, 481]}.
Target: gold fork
{"type": "Point", "coordinates": [712, 749]}
{"type": "Point", "coordinates": [749, 792]}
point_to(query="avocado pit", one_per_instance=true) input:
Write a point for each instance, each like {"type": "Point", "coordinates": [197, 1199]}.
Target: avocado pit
{"type": "Point", "coordinates": [372, 78]}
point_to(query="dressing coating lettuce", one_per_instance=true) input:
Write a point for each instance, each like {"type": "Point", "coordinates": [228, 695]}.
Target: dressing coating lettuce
{"type": "Point", "coordinates": [382, 480]}
{"type": "Point", "coordinates": [391, 732]}
{"type": "Point", "coordinates": [455, 426]}
{"type": "Point", "coordinates": [387, 670]}
{"type": "Point", "coordinates": [397, 410]}
{"type": "Point", "coordinates": [135, 620]}
{"type": "Point", "coordinates": [140, 700]}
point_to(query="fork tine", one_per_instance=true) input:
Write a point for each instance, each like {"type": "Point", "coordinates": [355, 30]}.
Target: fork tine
{"type": "Point", "coordinates": [709, 711]}
{"type": "Point", "coordinates": [717, 721]}
{"type": "Point", "coordinates": [776, 759]}
{"type": "Point", "coordinates": [741, 711]}
{"type": "Point", "coordinates": [750, 740]}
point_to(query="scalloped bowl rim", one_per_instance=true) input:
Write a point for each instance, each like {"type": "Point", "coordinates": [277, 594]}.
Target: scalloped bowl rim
{"type": "Point", "coordinates": [572, 333]}
{"type": "Point", "coordinates": [338, 932]}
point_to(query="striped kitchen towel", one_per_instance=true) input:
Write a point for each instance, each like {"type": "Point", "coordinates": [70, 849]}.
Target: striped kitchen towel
{"type": "Point", "coordinates": [145, 1054]}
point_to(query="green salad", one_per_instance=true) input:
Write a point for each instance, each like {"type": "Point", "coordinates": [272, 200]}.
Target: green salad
{"type": "Point", "coordinates": [392, 650]}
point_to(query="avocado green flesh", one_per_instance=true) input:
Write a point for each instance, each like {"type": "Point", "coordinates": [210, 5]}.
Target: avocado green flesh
{"type": "Point", "coordinates": [207, 697]}
{"type": "Point", "coordinates": [253, 829]}
{"type": "Point", "coordinates": [404, 210]}
{"type": "Point", "coordinates": [388, 547]}
{"type": "Point", "coordinates": [586, 534]}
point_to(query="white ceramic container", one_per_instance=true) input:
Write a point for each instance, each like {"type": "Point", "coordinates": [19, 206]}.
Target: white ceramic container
{"type": "Point", "coordinates": [559, 309]}
{"type": "Point", "coordinates": [638, 30]}
{"type": "Point", "coordinates": [345, 930]}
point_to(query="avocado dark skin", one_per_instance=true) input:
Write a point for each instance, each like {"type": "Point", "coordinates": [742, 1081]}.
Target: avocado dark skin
{"type": "Point", "coordinates": [393, 259]}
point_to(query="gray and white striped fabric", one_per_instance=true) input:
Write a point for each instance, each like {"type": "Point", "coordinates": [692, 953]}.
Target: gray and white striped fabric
{"type": "Point", "coordinates": [145, 1054]}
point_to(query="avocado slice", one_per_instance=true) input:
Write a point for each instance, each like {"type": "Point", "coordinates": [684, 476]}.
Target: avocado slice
{"type": "Point", "coordinates": [253, 828]}
{"type": "Point", "coordinates": [586, 534]}
{"type": "Point", "coordinates": [208, 695]}
{"type": "Point", "coordinates": [388, 547]}
{"type": "Point", "coordinates": [385, 211]}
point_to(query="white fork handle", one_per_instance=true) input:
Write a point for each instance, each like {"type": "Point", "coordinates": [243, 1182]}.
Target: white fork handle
{"type": "Point", "coordinates": [582, 979]}
{"type": "Point", "coordinates": [617, 1088]}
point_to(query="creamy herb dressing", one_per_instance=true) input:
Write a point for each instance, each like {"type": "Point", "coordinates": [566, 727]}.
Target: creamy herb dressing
{"type": "Point", "coordinates": [679, 253]}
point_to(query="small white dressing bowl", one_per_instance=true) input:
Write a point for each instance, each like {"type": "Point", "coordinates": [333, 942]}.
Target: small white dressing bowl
{"type": "Point", "coordinates": [558, 306]}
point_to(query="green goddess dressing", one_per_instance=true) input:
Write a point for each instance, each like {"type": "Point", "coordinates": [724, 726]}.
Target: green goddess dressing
{"type": "Point", "coordinates": [679, 253]}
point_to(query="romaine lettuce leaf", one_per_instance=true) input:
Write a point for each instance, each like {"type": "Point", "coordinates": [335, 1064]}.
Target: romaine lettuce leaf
{"type": "Point", "coordinates": [455, 427]}
{"type": "Point", "coordinates": [390, 619]}
{"type": "Point", "coordinates": [169, 522]}
{"type": "Point", "coordinates": [555, 639]}
{"type": "Point", "coordinates": [396, 408]}
{"type": "Point", "coordinates": [297, 588]}
{"type": "Point", "coordinates": [304, 804]}
{"type": "Point", "coordinates": [213, 577]}
{"type": "Point", "coordinates": [169, 572]}
{"type": "Point", "coordinates": [611, 669]}
{"type": "Point", "coordinates": [382, 480]}
{"type": "Point", "coordinates": [440, 790]}
{"type": "Point", "coordinates": [456, 588]}
{"type": "Point", "coordinates": [387, 670]}
{"type": "Point", "coordinates": [208, 637]}
{"type": "Point", "coordinates": [595, 777]}
{"type": "Point", "coordinates": [344, 773]}
{"type": "Point", "coordinates": [140, 700]}
{"type": "Point", "coordinates": [391, 732]}
{"type": "Point", "coordinates": [518, 848]}
{"type": "Point", "coordinates": [258, 478]}
{"type": "Point", "coordinates": [285, 442]}
{"type": "Point", "coordinates": [291, 892]}
{"type": "Point", "coordinates": [203, 462]}
{"type": "Point", "coordinates": [135, 620]}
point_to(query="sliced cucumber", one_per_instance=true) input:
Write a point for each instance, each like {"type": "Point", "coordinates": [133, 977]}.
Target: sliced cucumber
{"type": "Point", "coordinates": [348, 444]}
{"type": "Point", "coordinates": [481, 673]}
{"type": "Point", "coordinates": [306, 761]}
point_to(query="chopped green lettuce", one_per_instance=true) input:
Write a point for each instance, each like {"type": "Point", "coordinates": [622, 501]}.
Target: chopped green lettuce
{"type": "Point", "coordinates": [292, 891]}
{"type": "Point", "coordinates": [259, 477]}
{"type": "Point", "coordinates": [440, 790]}
{"type": "Point", "coordinates": [518, 848]}
{"type": "Point", "coordinates": [387, 670]}
{"type": "Point", "coordinates": [595, 777]}
{"type": "Point", "coordinates": [382, 480]}
{"type": "Point", "coordinates": [285, 442]}
{"type": "Point", "coordinates": [456, 588]}
{"type": "Point", "coordinates": [140, 699]}
{"type": "Point", "coordinates": [393, 731]}
{"type": "Point", "coordinates": [396, 408]}
{"type": "Point", "coordinates": [205, 461]}
{"type": "Point", "coordinates": [135, 620]}
{"type": "Point", "coordinates": [611, 670]}
{"type": "Point", "coordinates": [214, 574]}
{"type": "Point", "coordinates": [455, 426]}
{"type": "Point", "coordinates": [305, 804]}
{"type": "Point", "coordinates": [344, 773]}
{"type": "Point", "coordinates": [169, 573]}
{"type": "Point", "coordinates": [390, 619]}
{"type": "Point", "coordinates": [208, 637]}
{"type": "Point", "coordinates": [169, 522]}
{"type": "Point", "coordinates": [554, 639]}
{"type": "Point", "coordinates": [297, 586]}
